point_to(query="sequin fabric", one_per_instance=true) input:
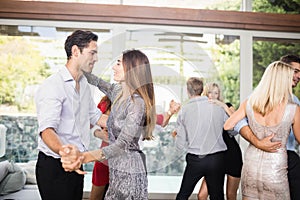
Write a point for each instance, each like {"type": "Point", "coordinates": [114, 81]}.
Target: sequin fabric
{"type": "Point", "coordinates": [127, 170]}
{"type": "Point", "coordinates": [264, 175]}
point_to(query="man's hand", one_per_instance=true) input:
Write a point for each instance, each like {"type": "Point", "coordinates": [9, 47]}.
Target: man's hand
{"type": "Point", "coordinates": [264, 144]}
{"type": "Point", "coordinates": [71, 159]}
{"type": "Point", "coordinates": [267, 145]}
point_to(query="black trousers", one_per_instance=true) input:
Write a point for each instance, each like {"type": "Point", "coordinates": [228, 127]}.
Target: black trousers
{"type": "Point", "coordinates": [294, 174]}
{"type": "Point", "coordinates": [212, 167]}
{"type": "Point", "coordinates": [56, 184]}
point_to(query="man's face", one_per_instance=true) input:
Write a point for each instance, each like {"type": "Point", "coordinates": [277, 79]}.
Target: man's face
{"type": "Point", "coordinates": [296, 77]}
{"type": "Point", "coordinates": [88, 57]}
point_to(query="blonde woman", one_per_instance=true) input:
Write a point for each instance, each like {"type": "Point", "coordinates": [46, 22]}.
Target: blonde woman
{"type": "Point", "coordinates": [233, 154]}
{"type": "Point", "coordinates": [132, 116]}
{"type": "Point", "coordinates": [269, 109]}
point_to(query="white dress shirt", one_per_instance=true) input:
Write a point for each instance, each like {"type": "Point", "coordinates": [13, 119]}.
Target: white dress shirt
{"type": "Point", "coordinates": [69, 112]}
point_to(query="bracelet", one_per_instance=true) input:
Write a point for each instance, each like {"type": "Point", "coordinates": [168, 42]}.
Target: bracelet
{"type": "Point", "coordinates": [169, 112]}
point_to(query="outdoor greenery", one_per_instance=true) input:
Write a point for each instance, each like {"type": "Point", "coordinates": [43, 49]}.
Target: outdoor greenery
{"type": "Point", "coordinates": [227, 5]}
{"type": "Point", "coordinates": [226, 59]}
{"type": "Point", "coordinates": [21, 65]}
{"type": "Point", "coordinates": [276, 6]}
{"type": "Point", "coordinates": [265, 52]}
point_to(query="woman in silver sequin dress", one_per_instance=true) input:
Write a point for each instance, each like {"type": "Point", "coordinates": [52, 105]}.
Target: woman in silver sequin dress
{"type": "Point", "coordinates": [269, 109]}
{"type": "Point", "coordinates": [132, 117]}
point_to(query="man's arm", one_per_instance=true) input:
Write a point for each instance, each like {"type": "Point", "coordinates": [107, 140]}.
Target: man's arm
{"type": "Point", "coordinates": [52, 140]}
{"type": "Point", "coordinates": [264, 144]}
{"type": "Point", "coordinates": [72, 158]}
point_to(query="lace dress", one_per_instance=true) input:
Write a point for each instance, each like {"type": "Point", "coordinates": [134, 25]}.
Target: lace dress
{"type": "Point", "coordinates": [264, 175]}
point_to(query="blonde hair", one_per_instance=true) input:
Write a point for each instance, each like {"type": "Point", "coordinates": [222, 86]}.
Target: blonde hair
{"type": "Point", "coordinates": [138, 77]}
{"type": "Point", "coordinates": [275, 87]}
{"type": "Point", "coordinates": [209, 87]}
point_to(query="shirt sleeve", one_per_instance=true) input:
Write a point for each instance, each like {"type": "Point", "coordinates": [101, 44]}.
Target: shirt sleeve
{"type": "Point", "coordinates": [296, 100]}
{"type": "Point", "coordinates": [49, 100]}
{"type": "Point", "coordinates": [242, 123]}
{"type": "Point", "coordinates": [94, 112]}
{"type": "Point", "coordinates": [181, 140]}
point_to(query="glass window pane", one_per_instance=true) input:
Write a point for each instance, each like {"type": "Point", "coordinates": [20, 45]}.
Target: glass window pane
{"type": "Point", "coordinates": [29, 54]}
{"type": "Point", "coordinates": [268, 50]}
{"type": "Point", "coordinates": [174, 56]}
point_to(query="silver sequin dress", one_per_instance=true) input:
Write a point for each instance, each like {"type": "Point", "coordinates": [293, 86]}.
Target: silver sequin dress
{"type": "Point", "coordinates": [264, 175]}
{"type": "Point", "coordinates": [127, 169]}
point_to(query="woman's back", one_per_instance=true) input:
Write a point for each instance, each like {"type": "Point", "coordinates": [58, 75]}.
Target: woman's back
{"type": "Point", "coordinates": [272, 118]}
{"type": "Point", "coordinates": [264, 174]}
{"type": "Point", "coordinates": [278, 121]}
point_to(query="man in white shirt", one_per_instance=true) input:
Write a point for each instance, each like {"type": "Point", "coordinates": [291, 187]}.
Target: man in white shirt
{"type": "Point", "coordinates": [65, 111]}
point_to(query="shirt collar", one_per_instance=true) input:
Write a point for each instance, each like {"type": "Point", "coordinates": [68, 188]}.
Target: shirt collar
{"type": "Point", "coordinates": [199, 98]}
{"type": "Point", "coordinates": [66, 75]}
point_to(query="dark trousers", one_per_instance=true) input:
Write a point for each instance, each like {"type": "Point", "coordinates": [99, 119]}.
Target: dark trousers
{"type": "Point", "coordinates": [212, 167]}
{"type": "Point", "coordinates": [294, 174]}
{"type": "Point", "coordinates": [56, 184]}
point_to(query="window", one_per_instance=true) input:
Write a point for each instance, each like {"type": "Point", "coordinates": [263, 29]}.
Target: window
{"type": "Point", "coordinates": [174, 56]}
{"type": "Point", "coordinates": [222, 51]}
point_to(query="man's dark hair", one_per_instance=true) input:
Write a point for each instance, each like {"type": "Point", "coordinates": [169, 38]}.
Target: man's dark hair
{"type": "Point", "coordinates": [79, 38]}
{"type": "Point", "coordinates": [290, 58]}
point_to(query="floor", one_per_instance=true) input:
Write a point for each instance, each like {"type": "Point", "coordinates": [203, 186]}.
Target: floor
{"type": "Point", "coordinates": [160, 188]}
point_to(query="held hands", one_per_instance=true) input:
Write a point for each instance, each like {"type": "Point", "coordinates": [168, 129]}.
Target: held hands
{"type": "Point", "coordinates": [174, 107]}
{"type": "Point", "coordinates": [71, 159]}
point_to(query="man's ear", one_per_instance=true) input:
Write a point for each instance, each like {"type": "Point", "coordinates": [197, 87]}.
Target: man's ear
{"type": "Point", "coordinates": [75, 51]}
